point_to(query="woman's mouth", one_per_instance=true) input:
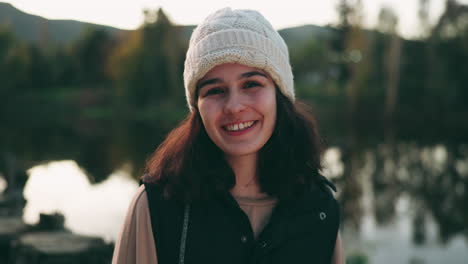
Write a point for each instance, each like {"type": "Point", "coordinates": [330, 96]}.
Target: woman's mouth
{"type": "Point", "coordinates": [239, 127]}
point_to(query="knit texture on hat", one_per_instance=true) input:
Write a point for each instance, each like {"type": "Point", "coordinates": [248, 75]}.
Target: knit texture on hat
{"type": "Point", "coordinates": [236, 36]}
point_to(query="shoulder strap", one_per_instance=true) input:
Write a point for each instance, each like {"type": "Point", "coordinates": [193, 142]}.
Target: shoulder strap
{"type": "Point", "coordinates": [183, 239]}
{"type": "Point", "coordinates": [326, 184]}
{"type": "Point", "coordinates": [167, 217]}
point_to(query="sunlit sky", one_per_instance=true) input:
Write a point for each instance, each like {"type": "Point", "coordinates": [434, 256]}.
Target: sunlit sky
{"type": "Point", "coordinates": [127, 14]}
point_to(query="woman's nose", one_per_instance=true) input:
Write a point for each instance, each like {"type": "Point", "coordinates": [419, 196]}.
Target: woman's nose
{"type": "Point", "coordinates": [234, 103]}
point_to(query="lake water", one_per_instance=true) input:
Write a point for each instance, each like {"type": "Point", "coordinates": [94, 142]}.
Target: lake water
{"type": "Point", "coordinates": [99, 210]}
{"type": "Point", "coordinates": [90, 209]}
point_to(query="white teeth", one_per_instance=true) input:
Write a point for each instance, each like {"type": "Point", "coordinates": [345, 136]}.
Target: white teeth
{"type": "Point", "coordinates": [241, 126]}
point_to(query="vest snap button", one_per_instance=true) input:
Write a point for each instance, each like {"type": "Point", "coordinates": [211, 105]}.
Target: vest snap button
{"type": "Point", "coordinates": [322, 216]}
{"type": "Point", "coordinates": [243, 239]}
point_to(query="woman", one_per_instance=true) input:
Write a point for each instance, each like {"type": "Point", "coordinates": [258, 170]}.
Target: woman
{"type": "Point", "coordinates": [239, 180]}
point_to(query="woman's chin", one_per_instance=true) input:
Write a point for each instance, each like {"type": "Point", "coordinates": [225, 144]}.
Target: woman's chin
{"type": "Point", "coordinates": [239, 152]}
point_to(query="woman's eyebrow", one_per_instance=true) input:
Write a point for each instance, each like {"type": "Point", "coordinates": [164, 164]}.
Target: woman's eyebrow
{"type": "Point", "coordinates": [208, 82]}
{"type": "Point", "coordinates": [252, 73]}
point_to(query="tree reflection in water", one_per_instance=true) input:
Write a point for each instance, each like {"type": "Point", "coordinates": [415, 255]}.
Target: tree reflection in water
{"type": "Point", "coordinates": [433, 178]}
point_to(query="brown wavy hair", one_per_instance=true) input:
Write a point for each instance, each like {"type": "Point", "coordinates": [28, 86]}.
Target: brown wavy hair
{"type": "Point", "coordinates": [190, 166]}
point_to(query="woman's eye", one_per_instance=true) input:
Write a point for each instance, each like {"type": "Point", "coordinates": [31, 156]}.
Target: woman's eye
{"type": "Point", "coordinates": [214, 91]}
{"type": "Point", "coordinates": [251, 84]}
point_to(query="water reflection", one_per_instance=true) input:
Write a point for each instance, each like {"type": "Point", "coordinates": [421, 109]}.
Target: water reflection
{"type": "Point", "coordinates": [413, 206]}
{"type": "Point", "coordinates": [393, 242]}
{"type": "Point", "coordinates": [89, 209]}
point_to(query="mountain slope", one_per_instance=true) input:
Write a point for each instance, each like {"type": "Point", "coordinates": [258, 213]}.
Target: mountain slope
{"type": "Point", "coordinates": [32, 28]}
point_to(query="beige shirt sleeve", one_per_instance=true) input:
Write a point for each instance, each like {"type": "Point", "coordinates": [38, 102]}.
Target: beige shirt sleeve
{"type": "Point", "coordinates": [135, 244]}
{"type": "Point", "coordinates": [338, 255]}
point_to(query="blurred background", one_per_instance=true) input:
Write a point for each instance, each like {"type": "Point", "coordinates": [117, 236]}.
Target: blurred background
{"type": "Point", "coordinates": [83, 105]}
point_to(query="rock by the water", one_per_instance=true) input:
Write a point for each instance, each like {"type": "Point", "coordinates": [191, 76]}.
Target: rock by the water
{"type": "Point", "coordinates": [10, 228]}
{"type": "Point", "coordinates": [59, 247]}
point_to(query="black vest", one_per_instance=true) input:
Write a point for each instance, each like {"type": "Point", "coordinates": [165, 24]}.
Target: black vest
{"type": "Point", "coordinates": [218, 231]}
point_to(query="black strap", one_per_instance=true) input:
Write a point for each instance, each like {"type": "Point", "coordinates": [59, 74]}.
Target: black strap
{"type": "Point", "coordinates": [328, 182]}
{"type": "Point", "coordinates": [183, 239]}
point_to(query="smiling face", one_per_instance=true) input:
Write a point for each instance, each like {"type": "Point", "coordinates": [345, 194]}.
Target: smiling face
{"type": "Point", "coordinates": [237, 105]}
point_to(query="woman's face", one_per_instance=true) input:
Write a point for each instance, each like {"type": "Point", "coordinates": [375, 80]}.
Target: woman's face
{"type": "Point", "coordinates": [237, 104]}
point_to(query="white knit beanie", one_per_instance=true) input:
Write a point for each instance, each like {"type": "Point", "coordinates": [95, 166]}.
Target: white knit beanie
{"type": "Point", "coordinates": [236, 36]}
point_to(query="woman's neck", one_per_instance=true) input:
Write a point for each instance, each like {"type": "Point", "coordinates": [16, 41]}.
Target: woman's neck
{"type": "Point", "coordinates": [245, 170]}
